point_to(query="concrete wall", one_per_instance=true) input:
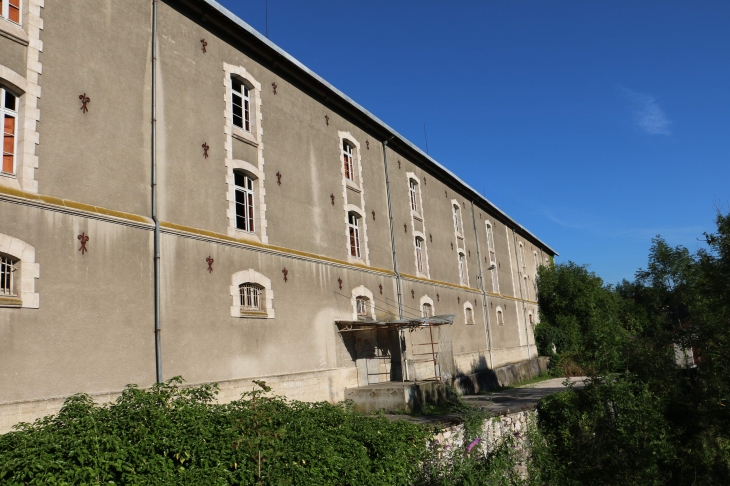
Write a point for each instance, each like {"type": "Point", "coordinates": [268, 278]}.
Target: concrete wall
{"type": "Point", "coordinates": [92, 328]}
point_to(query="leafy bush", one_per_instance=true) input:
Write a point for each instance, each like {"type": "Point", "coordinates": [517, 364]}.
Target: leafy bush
{"type": "Point", "coordinates": [175, 435]}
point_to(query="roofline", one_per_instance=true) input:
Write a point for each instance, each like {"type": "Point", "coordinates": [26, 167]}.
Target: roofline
{"type": "Point", "coordinates": [377, 122]}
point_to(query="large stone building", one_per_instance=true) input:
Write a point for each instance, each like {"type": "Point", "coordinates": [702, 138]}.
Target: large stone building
{"type": "Point", "coordinates": [276, 205]}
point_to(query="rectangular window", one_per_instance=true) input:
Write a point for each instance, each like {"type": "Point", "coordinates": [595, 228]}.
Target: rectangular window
{"type": "Point", "coordinates": [354, 235]}
{"type": "Point", "coordinates": [419, 255]}
{"type": "Point", "coordinates": [492, 259]}
{"type": "Point", "coordinates": [522, 256]}
{"type": "Point", "coordinates": [7, 270]}
{"type": "Point", "coordinates": [462, 269]}
{"type": "Point", "coordinates": [241, 104]}
{"type": "Point", "coordinates": [244, 202]}
{"type": "Point", "coordinates": [347, 159]}
{"type": "Point", "coordinates": [414, 195]}
{"type": "Point", "coordinates": [427, 310]}
{"type": "Point", "coordinates": [362, 307]}
{"type": "Point", "coordinates": [251, 297]}
{"type": "Point", "coordinates": [11, 10]}
{"type": "Point", "coordinates": [456, 219]}
{"type": "Point", "coordinates": [469, 316]}
{"type": "Point", "coordinates": [9, 115]}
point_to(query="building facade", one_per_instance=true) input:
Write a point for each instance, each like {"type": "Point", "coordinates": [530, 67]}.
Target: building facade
{"type": "Point", "coordinates": [179, 196]}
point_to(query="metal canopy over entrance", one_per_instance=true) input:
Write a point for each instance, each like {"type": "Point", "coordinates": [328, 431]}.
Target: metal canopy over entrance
{"type": "Point", "coordinates": [381, 355]}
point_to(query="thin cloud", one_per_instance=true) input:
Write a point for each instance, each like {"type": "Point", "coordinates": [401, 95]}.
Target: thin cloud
{"type": "Point", "coordinates": [648, 115]}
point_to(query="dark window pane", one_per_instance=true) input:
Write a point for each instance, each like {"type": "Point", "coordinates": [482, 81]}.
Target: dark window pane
{"type": "Point", "coordinates": [236, 84]}
{"type": "Point", "coordinates": [240, 222]}
{"type": "Point", "coordinates": [241, 197]}
{"type": "Point", "coordinates": [10, 101]}
{"type": "Point", "coordinates": [239, 179]}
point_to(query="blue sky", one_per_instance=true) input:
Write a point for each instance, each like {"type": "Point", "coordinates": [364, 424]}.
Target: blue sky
{"type": "Point", "coordinates": [597, 125]}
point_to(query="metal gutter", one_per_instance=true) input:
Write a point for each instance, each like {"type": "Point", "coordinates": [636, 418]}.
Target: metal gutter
{"type": "Point", "coordinates": [283, 55]}
{"type": "Point", "coordinates": [158, 325]}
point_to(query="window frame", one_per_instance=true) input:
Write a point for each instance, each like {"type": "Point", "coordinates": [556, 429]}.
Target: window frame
{"type": "Point", "coordinates": [419, 255]}
{"type": "Point", "coordinates": [245, 106]}
{"type": "Point", "coordinates": [491, 249]}
{"type": "Point", "coordinates": [4, 11]}
{"type": "Point", "coordinates": [249, 205]}
{"type": "Point", "coordinates": [424, 312]}
{"type": "Point", "coordinates": [469, 318]}
{"type": "Point", "coordinates": [348, 154]}
{"type": "Point", "coordinates": [463, 277]}
{"type": "Point", "coordinates": [362, 306]}
{"type": "Point", "coordinates": [353, 230]}
{"type": "Point", "coordinates": [500, 316]}
{"type": "Point", "coordinates": [457, 223]}
{"type": "Point", "coordinates": [413, 191]}
{"type": "Point", "coordinates": [7, 113]}
{"type": "Point", "coordinates": [256, 295]}
{"type": "Point", "coordinates": [8, 268]}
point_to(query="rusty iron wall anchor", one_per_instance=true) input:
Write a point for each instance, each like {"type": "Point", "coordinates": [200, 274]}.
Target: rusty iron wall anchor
{"type": "Point", "coordinates": [83, 239]}
{"type": "Point", "coordinates": [85, 100]}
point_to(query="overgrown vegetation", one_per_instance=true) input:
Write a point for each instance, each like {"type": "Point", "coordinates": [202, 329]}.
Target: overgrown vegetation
{"type": "Point", "coordinates": [642, 419]}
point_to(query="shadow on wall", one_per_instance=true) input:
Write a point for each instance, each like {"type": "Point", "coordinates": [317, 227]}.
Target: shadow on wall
{"type": "Point", "coordinates": [502, 376]}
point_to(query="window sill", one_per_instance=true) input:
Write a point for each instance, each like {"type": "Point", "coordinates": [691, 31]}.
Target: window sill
{"type": "Point", "coordinates": [352, 185]}
{"type": "Point", "coordinates": [243, 235]}
{"type": "Point", "coordinates": [244, 136]}
{"type": "Point", "coordinates": [254, 314]}
{"type": "Point", "coordinates": [13, 31]}
{"type": "Point", "coordinates": [8, 301]}
{"type": "Point", "coordinates": [416, 215]}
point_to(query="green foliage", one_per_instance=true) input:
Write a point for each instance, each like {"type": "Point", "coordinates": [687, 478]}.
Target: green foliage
{"type": "Point", "coordinates": [175, 435]}
{"type": "Point", "coordinates": [642, 419]}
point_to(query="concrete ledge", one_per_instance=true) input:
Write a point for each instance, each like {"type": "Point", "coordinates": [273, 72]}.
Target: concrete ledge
{"type": "Point", "coordinates": [503, 376]}
{"type": "Point", "coordinates": [395, 396]}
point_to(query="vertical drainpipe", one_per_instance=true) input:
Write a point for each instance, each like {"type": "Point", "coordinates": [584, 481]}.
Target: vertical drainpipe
{"type": "Point", "coordinates": [158, 327]}
{"type": "Point", "coordinates": [485, 313]}
{"type": "Point", "coordinates": [395, 258]}
{"type": "Point", "coordinates": [519, 279]}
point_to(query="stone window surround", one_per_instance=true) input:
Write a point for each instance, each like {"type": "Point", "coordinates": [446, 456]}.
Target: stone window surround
{"type": "Point", "coordinates": [29, 270]}
{"type": "Point", "coordinates": [255, 168]}
{"type": "Point", "coordinates": [362, 291]}
{"type": "Point", "coordinates": [460, 242]}
{"type": "Point", "coordinates": [467, 305]}
{"type": "Point", "coordinates": [417, 234]}
{"type": "Point", "coordinates": [354, 208]}
{"type": "Point", "coordinates": [251, 276]}
{"type": "Point", "coordinates": [427, 300]}
{"type": "Point", "coordinates": [28, 91]}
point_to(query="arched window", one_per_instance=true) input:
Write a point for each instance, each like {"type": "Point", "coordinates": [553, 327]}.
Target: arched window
{"type": "Point", "coordinates": [9, 114]}
{"type": "Point", "coordinates": [353, 222]}
{"type": "Point", "coordinates": [419, 255]}
{"type": "Point", "coordinates": [413, 189]}
{"type": "Point", "coordinates": [500, 317]}
{"type": "Point", "coordinates": [462, 270]}
{"type": "Point", "coordinates": [240, 104]}
{"type": "Point", "coordinates": [492, 258]}
{"type": "Point", "coordinates": [244, 189]}
{"type": "Point", "coordinates": [347, 160]}
{"type": "Point", "coordinates": [427, 310]}
{"type": "Point", "coordinates": [252, 297]}
{"type": "Point", "coordinates": [468, 313]}
{"type": "Point", "coordinates": [8, 267]}
{"type": "Point", "coordinates": [11, 10]}
{"type": "Point", "coordinates": [457, 225]}
{"type": "Point", "coordinates": [363, 306]}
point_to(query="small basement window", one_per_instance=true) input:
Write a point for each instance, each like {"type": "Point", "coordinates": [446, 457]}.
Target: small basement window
{"type": "Point", "coordinates": [252, 297]}
{"type": "Point", "coordinates": [8, 267]}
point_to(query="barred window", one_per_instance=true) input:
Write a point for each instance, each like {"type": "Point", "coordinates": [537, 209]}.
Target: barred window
{"type": "Point", "coordinates": [362, 306]}
{"type": "Point", "coordinates": [241, 104]}
{"type": "Point", "coordinates": [7, 271]}
{"type": "Point", "coordinates": [251, 297]}
{"type": "Point", "coordinates": [427, 310]}
{"type": "Point", "coordinates": [9, 114]}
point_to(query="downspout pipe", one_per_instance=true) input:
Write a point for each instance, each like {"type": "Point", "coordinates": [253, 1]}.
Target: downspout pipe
{"type": "Point", "coordinates": [158, 326]}
{"type": "Point", "coordinates": [404, 361]}
{"type": "Point", "coordinates": [522, 298]}
{"type": "Point", "coordinates": [485, 312]}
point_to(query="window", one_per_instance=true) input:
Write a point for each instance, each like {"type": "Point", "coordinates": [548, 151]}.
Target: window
{"type": "Point", "coordinates": [347, 159]}
{"type": "Point", "coordinates": [469, 315]}
{"type": "Point", "coordinates": [462, 269]}
{"type": "Point", "coordinates": [251, 297]}
{"type": "Point", "coordinates": [353, 225]}
{"type": "Point", "coordinates": [362, 306]}
{"type": "Point", "coordinates": [244, 201]}
{"type": "Point", "coordinates": [11, 10]}
{"type": "Point", "coordinates": [522, 257]}
{"type": "Point", "coordinates": [531, 322]}
{"type": "Point", "coordinates": [500, 317]}
{"type": "Point", "coordinates": [9, 113]}
{"type": "Point", "coordinates": [427, 310]}
{"type": "Point", "coordinates": [457, 227]}
{"type": "Point", "coordinates": [419, 255]}
{"type": "Point", "coordinates": [537, 262]}
{"type": "Point", "coordinates": [527, 292]}
{"type": "Point", "coordinates": [492, 258]}
{"type": "Point", "coordinates": [7, 275]}
{"type": "Point", "coordinates": [241, 102]}
{"type": "Point", "coordinates": [414, 195]}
